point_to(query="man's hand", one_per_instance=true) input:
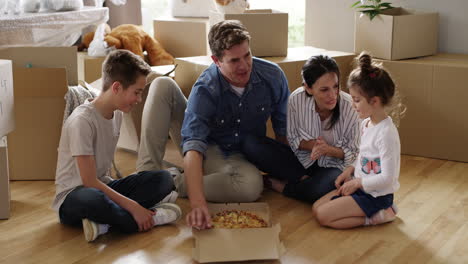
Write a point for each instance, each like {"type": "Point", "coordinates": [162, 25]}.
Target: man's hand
{"type": "Point", "coordinates": [143, 217]}
{"type": "Point", "coordinates": [199, 217]}
{"type": "Point", "coordinates": [320, 149]}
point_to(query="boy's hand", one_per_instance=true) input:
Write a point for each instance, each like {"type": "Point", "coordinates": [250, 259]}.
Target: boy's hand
{"type": "Point", "coordinates": [199, 217]}
{"type": "Point", "coordinates": [143, 217]}
{"type": "Point", "coordinates": [350, 187]}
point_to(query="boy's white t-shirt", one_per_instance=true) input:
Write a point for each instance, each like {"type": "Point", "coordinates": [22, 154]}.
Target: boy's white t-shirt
{"type": "Point", "coordinates": [85, 132]}
{"type": "Point", "coordinates": [378, 162]}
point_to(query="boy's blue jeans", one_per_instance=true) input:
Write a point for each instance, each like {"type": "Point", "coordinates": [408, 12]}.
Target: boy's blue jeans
{"type": "Point", "coordinates": [146, 188]}
{"type": "Point", "coordinates": [279, 161]}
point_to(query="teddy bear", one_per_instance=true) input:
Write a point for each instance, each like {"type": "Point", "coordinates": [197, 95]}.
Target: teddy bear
{"type": "Point", "coordinates": [132, 38]}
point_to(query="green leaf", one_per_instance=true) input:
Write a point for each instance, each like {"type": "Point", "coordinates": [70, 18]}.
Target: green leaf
{"type": "Point", "coordinates": [367, 6]}
{"type": "Point", "coordinates": [355, 4]}
{"type": "Point", "coordinates": [388, 5]}
{"type": "Point", "coordinates": [373, 14]}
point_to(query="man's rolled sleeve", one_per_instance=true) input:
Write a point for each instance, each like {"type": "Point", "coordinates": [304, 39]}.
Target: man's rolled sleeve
{"type": "Point", "coordinates": [196, 145]}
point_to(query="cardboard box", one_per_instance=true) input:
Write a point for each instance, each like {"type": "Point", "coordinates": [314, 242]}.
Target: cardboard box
{"type": "Point", "coordinates": [189, 69]}
{"type": "Point", "coordinates": [47, 57]}
{"type": "Point", "coordinates": [127, 13]}
{"type": "Point", "coordinates": [39, 109]}
{"type": "Point", "coordinates": [434, 91]}
{"type": "Point", "coordinates": [268, 30]}
{"type": "Point", "coordinates": [7, 120]}
{"type": "Point", "coordinates": [193, 8]}
{"type": "Point", "coordinates": [238, 244]}
{"type": "Point", "coordinates": [183, 37]}
{"type": "Point", "coordinates": [4, 180]}
{"type": "Point", "coordinates": [397, 34]}
{"type": "Point", "coordinates": [89, 68]}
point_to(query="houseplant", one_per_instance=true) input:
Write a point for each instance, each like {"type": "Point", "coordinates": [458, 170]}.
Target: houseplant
{"type": "Point", "coordinates": [372, 8]}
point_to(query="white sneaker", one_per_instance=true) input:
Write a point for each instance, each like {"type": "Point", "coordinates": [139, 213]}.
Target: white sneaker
{"type": "Point", "coordinates": [166, 213]}
{"type": "Point", "coordinates": [90, 229]}
{"type": "Point", "coordinates": [178, 178]}
{"type": "Point", "coordinates": [170, 198]}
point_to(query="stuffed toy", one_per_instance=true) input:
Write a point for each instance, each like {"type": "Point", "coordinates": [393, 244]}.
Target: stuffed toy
{"type": "Point", "coordinates": [134, 39]}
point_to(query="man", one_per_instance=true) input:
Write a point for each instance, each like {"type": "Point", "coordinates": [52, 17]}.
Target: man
{"type": "Point", "coordinates": [231, 100]}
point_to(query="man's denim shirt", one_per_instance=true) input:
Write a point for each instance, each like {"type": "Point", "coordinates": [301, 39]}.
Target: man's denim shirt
{"type": "Point", "coordinates": [215, 114]}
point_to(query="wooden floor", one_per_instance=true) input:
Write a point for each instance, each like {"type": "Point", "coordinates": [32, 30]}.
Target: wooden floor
{"type": "Point", "coordinates": [432, 226]}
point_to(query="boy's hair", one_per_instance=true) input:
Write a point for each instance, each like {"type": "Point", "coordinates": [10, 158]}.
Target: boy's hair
{"type": "Point", "coordinates": [373, 80]}
{"type": "Point", "coordinates": [123, 66]}
{"type": "Point", "coordinates": [314, 68]}
{"type": "Point", "coordinates": [225, 34]}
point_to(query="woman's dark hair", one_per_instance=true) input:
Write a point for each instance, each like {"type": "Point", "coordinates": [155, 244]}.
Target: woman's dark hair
{"type": "Point", "coordinates": [314, 68]}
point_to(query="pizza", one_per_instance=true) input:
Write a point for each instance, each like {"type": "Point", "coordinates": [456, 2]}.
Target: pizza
{"type": "Point", "coordinates": [237, 219]}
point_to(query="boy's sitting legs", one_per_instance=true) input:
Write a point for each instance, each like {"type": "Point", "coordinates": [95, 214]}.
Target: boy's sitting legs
{"type": "Point", "coordinates": [147, 188]}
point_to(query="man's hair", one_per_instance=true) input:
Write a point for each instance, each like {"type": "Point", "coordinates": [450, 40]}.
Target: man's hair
{"type": "Point", "coordinates": [123, 66]}
{"type": "Point", "coordinates": [226, 34]}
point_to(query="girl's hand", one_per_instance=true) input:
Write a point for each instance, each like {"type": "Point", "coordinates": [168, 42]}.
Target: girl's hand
{"type": "Point", "coordinates": [143, 217]}
{"type": "Point", "coordinates": [350, 187]}
{"type": "Point", "coordinates": [344, 177]}
{"type": "Point", "coordinates": [320, 149]}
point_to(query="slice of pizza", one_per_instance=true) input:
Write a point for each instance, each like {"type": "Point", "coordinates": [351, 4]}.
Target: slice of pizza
{"type": "Point", "coordinates": [237, 219]}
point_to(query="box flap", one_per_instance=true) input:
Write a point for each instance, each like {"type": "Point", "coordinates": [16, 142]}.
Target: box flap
{"type": "Point", "coordinates": [44, 57]}
{"type": "Point", "coordinates": [26, 79]}
{"type": "Point", "coordinates": [258, 11]}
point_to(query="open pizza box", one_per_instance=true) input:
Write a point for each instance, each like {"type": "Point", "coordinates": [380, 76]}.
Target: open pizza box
{"type": "Point", "coordinates": [217, 244]}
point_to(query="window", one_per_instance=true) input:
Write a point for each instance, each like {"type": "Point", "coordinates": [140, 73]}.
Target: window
{"type": "Point", "coordinates": [295, 8]}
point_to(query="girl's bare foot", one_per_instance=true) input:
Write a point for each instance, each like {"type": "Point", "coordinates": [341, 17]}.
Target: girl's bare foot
{"type": "Point", "coordinates": [383, 216]}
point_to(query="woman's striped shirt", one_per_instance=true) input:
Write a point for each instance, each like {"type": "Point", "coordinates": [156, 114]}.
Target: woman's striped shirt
{"type": "Point", "coordinates": [304, 123]}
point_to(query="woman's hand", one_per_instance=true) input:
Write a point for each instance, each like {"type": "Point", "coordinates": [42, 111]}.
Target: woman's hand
{"type": "Point", "coordinates": [320, 148]}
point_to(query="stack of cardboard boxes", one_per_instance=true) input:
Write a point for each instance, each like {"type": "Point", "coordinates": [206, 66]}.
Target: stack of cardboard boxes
{"type": "Point", "coordinates": [41, 76]}
{"type": "Point", "coordinates": [433, 86]}
{"type": "Point", "coordinates": [188, 36]}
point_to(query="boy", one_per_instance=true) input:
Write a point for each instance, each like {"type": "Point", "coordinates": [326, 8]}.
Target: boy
{"type": "Point", "coordinates": [85, 194]}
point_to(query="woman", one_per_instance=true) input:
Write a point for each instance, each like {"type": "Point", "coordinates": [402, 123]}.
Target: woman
{"type": "Point", "coordinates": [323, 135]}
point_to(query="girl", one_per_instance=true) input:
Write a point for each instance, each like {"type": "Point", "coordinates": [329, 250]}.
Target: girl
{"type": "Point", "coordinates": [364, 194]}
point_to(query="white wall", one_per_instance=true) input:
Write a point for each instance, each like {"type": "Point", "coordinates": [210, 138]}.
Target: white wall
{"type": "Point", "coordinates": [330, 23]}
